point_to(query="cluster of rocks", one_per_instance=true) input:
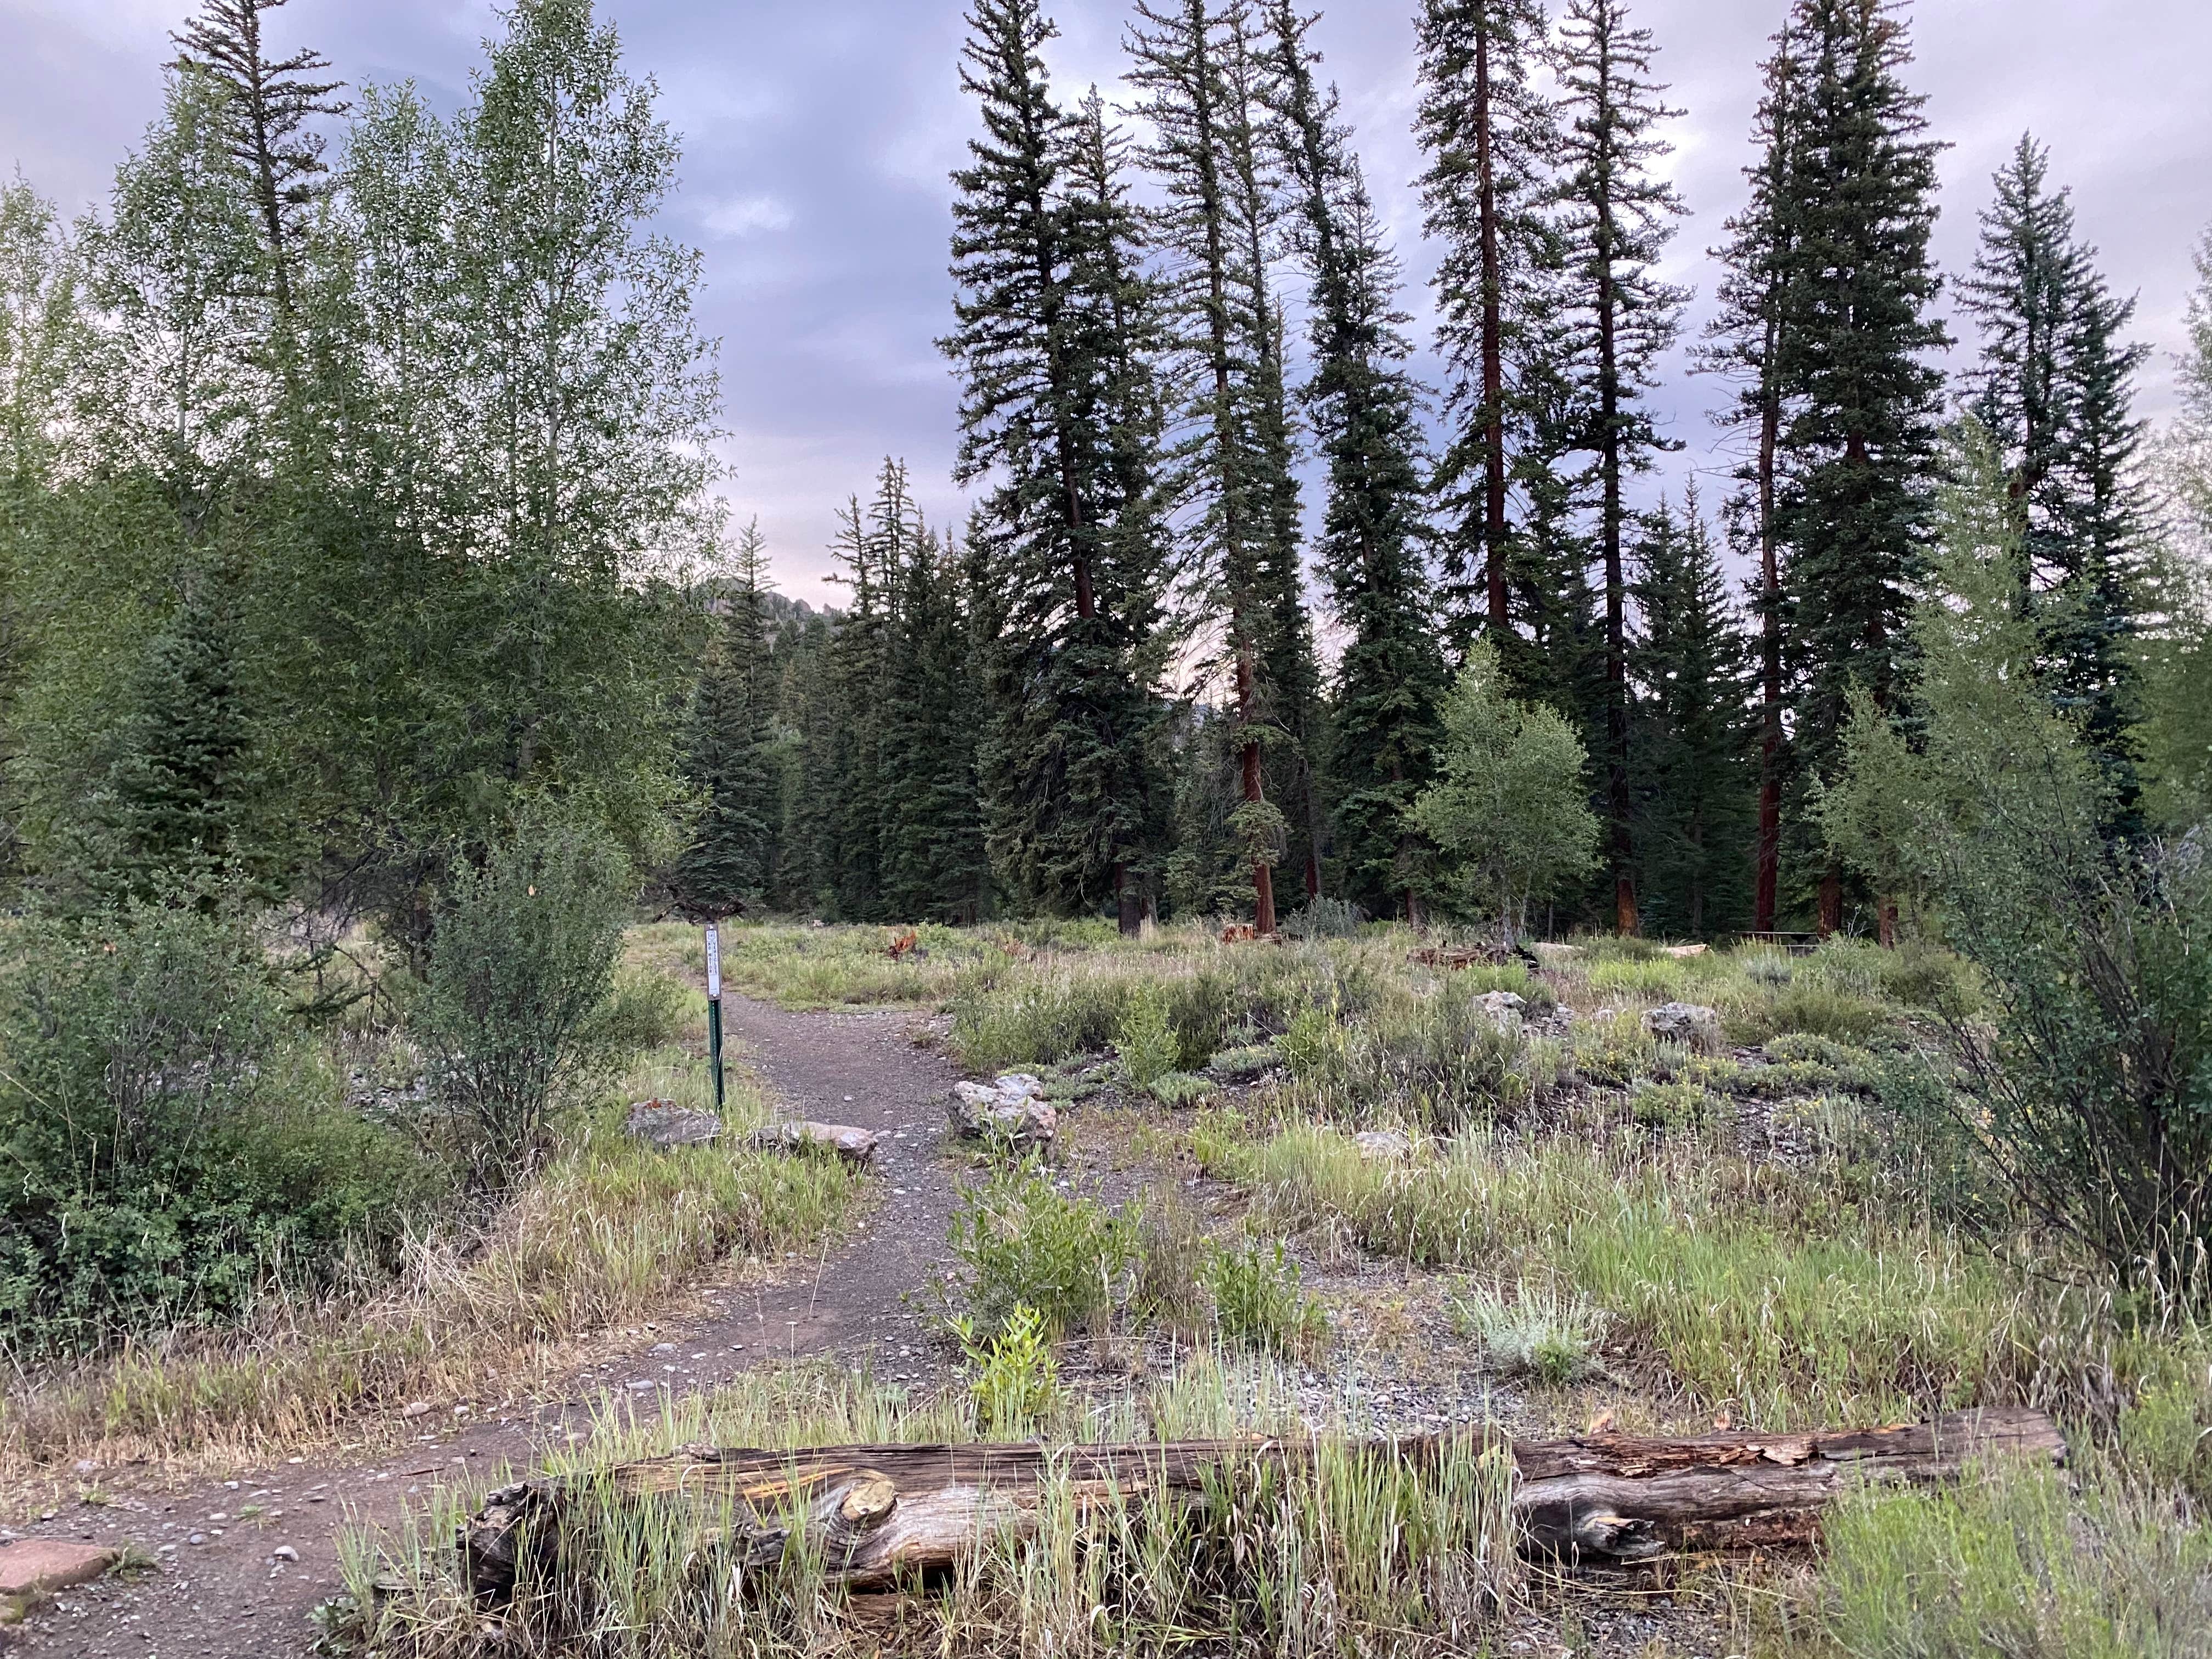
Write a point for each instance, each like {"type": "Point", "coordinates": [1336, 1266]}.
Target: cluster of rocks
{"type": "Point", "coordinates": [1010, 1111]}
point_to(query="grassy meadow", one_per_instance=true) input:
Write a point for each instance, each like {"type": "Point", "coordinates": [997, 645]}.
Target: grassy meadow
{"type": "Point", "coordinates": [1783, 1221]}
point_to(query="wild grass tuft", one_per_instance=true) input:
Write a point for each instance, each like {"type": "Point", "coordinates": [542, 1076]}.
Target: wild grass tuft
{"type": "Point", "coordinates": [2010, 1562]}
{"type": "Point", "coordinates": [1535, 1333]}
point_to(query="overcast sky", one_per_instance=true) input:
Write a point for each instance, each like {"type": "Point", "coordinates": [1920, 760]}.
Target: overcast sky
{"type": "Point", "coordinates": [817, 135]}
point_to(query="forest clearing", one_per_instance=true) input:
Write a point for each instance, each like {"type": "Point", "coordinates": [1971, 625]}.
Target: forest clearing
{"type": "Point", "coordinates": [1436, 944]}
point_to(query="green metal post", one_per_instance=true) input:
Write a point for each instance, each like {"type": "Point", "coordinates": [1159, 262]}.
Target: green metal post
{"type": "Point", "coordinates": [714, 1007]}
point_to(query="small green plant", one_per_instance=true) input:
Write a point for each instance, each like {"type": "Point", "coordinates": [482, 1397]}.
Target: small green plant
{"type": "Point", "coordinates": [1022, 1242]}
{"type": "Point", "coordinates": [517, 1015]}
{"type": "Point", "coordinates": [1013, 1375]}
{"type": "Point", "coordinates": [1243, 1064]}
{"type": "Point", "coordinates": [1181, 1089]}
{"type": "Point", "coordinates": [1145, 1039]}
{"type": "Point", "coordinates": [1313, 1040]}
{"type": "Point", "coordinates": [1258, 1300]}
{"type": "Point", "coordinates": [1539, 1333]}
{"type": "Point", "coordinates": [1672, 1105]}
{"type": "Point", "coordinates": [1325, 918]}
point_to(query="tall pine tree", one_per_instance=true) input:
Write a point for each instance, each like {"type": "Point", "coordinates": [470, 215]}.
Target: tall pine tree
{"type": "Point", "coordinates": [725, 868]}
{"type": "Point", "coordinates": [1055, 324]}
{"type": "Point", "coordinates": [1205, 86]}
{"type": "Point", "coordinates": [1695, 735]}
{"type": "Point", "coordinates": [270, 102]}
{"type": "Point", "coordinates": [1365, 413]}
{"type": "Point", "coordinates": [1491, 140]}
{"type": "Point", "coordinates": [1744, 342]}
{"type": "Point", "coordinates": [1861, 399]}
{"type": "Point", "coordinates": [2055, 388]}
{"type": "Point", "coordinates": [1615, 221]}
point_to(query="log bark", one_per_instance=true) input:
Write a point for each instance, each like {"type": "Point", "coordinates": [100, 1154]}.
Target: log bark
{"type": "Point", "coordinates": [888, 1515]}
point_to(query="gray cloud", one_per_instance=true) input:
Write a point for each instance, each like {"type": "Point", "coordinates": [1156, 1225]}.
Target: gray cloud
{"type": "Point", "coordinates": [818, 134]}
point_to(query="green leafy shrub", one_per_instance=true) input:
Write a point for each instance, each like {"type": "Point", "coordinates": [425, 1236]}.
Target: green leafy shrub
{"type": "Point", "coordinates": [1145, 1040]}
{"type": "Point", "coordinates": [1258, 1301]}
{"type": "Point", "coordinates": [1439, 1062]}
{"type": "Point", "coordinates": [1672, 1105]}
{"type": "Point", "coordinates": [176, 1144]}
{"type": "Point", "coordinates": [1324, 918]}
{"type": "Point", "coordinates": [1243, 1064]}
{"type": "Point", "coordinates": [518, 1016]}
{"type": "Point", "coordinates": [1020, 1241]}
{"type": "Point", "coordinates": [1013, 1375]}
{"type": "Point", "coordinates": [1181, 1089]}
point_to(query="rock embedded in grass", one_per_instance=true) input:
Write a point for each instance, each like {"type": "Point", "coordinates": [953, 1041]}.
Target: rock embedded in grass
{"type": "Point", "coordinates": [1383, 1146]}
{"type": "Point", "coordinates": [1684, 1022]}
{"type": "Point", "coordinates": [665, 1125]}
{"type": "Point", "coordinates": [1011, 1112]}
{"type": "Point", "coordinates": [839, 1140]}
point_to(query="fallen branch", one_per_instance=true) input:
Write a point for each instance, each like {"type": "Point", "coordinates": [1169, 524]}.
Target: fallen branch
{"type": "Point", "coordinates": [886, 1515]}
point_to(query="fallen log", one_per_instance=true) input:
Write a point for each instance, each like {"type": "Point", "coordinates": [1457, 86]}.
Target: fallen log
{"type": "Point", "coordinates": [887, 1515]}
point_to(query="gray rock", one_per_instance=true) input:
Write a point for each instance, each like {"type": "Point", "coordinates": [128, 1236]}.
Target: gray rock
{"type": "Point", "coordinates": [1383, 1146]}
{"type": "Point", "coordinates": [664, 1124]}
{"type": "Point", "coordinates": [1022, 1124]}
{"type": "Point", "coordinates": [1684, 1022]}
{"type": "Point", "coordinates": [1506, 1008]}
{"type": "Point", "coordinates": [839, 1140]}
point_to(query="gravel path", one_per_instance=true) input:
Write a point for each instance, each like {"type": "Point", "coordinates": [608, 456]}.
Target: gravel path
{"type": "Point", "coordinates": [244, 1561]}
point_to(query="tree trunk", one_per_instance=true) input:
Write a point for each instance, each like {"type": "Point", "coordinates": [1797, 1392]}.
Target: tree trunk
{"type": "Point", "coordinates": [1263, 875]}
{"type": "Point", "coordinates": [1129, 907]}
{"type": "Point", "coordinates": [1493, 347]}
{"type": "Point", "coordinates": [884, 1515]}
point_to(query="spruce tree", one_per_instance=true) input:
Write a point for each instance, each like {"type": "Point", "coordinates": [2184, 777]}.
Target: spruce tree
{"type": "Point", "coordinates": [1614, 222]}
{"type": "Point", "coordinates": [725, 870]}
{"type": "Point", "coordinates": [1055, 324]}
{"type": "Point", "coordinates": [2054, 387]}
{"type": "Point", "coordinates": [1205, 88]}
{"type": "Point", "coordinates": [177, 802]}
{"type": "Point", "coordinates": [271, 101]}
{"type": "Point", "coordinates": [1861, 400]}
{"type": "Point", "coordinates": [1744, 342]}
{"type": "Point", "coordinates": [1695, 734]}
{"type": "Point", "coordinates": [1491, 140]}
{"type": "Point", "coordinates": [1365, 411]}
{"type": "Point", "coordinates": [934, 862]}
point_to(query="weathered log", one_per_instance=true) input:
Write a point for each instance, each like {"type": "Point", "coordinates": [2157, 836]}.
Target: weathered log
{"type": "Point", "coordinates": [887, 1515]}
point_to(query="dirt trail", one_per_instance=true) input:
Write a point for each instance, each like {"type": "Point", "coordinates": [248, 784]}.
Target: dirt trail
{"type": "Point", "coordinates": [222, 1591]}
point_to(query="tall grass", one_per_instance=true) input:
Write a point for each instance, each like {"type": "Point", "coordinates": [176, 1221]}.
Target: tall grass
{"type": "Point", "coordinates": [805, 967]}
{"type": "Point", "coordinates": [2010, 1562]}
{"type": "Point", "coordinates": [1791, 1327]}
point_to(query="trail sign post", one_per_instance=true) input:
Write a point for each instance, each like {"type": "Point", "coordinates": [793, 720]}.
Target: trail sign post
{"type": "Point", "coordinates": [714, 1007]}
